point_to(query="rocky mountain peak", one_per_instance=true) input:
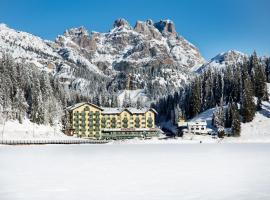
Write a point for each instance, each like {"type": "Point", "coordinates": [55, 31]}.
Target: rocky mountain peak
{"type": "Point", "coordinates": [121, 22]}
{"type": "Point", "coordinates": [233, 55]}
{"type": "Point", "coordinates": [147, 28]}
{"type": "Point", "coordinates": [149, 22]}
{"type": "Point", "coordinates": [76, 32]}
{"type": "Point", "coordinates": [166, 27]}
{"type": "Point", "coordinates": [82, 59]}
{"type": "Point", "coordinates": [3, 26]}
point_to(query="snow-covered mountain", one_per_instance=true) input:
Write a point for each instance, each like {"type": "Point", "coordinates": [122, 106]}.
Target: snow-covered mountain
{"type": "Point", "coordinates": [157, 58]}
{"type": "Point", "coordinates": [25, 47]}
{"type": "Point", "coordinates": [222, 60]}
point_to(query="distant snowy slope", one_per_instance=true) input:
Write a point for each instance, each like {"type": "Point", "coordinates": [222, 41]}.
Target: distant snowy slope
{"type": "Point", "coordinates": [223, 60]}
{"type": "Point", "coordinates": [133, 95]}
{"type": "Point", "coordinates": [259, 129]}
{"type": "Point", "coordinates": [25, 47]}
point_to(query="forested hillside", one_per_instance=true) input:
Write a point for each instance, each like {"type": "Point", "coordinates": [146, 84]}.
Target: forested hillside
{"type": "Point", "coordinates": [28, 92]}
{"type": "Point", "coordinates": [228, 86]}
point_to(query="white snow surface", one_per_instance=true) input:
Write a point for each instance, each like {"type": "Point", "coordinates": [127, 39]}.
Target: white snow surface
{"type": "Point", "coordinates": [134, 96]}
{"type": "Point", "coordinates": [13, 130]}
{"type": "Point", "coordinates": [222, 60]}
{"type": "Point", "coordinates": [23, 46]}
{"type": "Point", "coordinates": [256, 131]}
{"type": "Point", "coordinates": [135, 172]}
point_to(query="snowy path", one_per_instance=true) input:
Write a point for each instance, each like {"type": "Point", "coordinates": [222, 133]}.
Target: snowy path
{"type": "Point", "coordinates": [135, 172]}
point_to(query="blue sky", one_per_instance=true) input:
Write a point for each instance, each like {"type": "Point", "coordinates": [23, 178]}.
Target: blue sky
{"type": "Point", "coordinates": [212, 25]}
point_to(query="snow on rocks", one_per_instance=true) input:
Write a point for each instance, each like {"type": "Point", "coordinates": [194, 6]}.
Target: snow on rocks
{"type": "Point", "coordinates": [145, 50]}
{"type": "Point", "coordinates": [23, 46]}
{"type": "Point", "coordinates": [223, 60]}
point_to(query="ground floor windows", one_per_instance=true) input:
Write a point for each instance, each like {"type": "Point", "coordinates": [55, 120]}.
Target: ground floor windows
{"type": "Point", "coordinates": [128, 135]}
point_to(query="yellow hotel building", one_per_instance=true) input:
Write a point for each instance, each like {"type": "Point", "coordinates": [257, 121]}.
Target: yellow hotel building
{"type": "Point", "coordinates": [92, 121]}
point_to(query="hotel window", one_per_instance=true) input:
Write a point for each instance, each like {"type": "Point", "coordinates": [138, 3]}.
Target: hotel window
{"type": "Point", "coordinates": [86, 108]}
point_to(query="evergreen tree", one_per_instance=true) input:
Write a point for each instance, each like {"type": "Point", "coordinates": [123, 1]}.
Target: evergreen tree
{"type": "Point", "coordinates": [236, 121]}
{"type": "Point", "coordinates": [37, 109]}
{"type": "Point", "coordinates": [139, 103]}
{"type": "Point", "coordinates": [267, 70]}
{"type": "Point", "coordinates": [195, 98]}
{"type": "Point", "coordinates": [228, 116]}
{"type": "Point", "coordinates": [259, 78]}
{"type": "Point", "coordinates": [127, 100]}
{"type": "Point", "coordinates": [19, 105]}
{"type": "Point", "coordinates": [218, 120]}
{"type": "Point", "coordinates": [248, 107]}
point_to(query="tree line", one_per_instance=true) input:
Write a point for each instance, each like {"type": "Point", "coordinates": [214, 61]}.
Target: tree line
{"type": "Point", "coordinates": [230, 89]}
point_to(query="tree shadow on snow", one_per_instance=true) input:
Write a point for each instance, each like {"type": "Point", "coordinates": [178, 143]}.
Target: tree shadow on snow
{"type": "Point", "coordinates": [265, 112]}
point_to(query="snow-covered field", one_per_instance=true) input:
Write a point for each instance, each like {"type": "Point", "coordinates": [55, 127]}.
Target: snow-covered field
{"type": "Point", "coordinates": [13, 130]}
{"type": "Point", "coordinates": [135, 172]}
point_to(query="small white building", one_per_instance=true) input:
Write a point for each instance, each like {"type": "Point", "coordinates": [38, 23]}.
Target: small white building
{"type": "Point", "coordinates": [197, 127]}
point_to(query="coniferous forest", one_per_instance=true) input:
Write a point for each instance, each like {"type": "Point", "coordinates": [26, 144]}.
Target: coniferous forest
{"type": "Point", "coordinates": [27, 92]}
{"type": "Point", "coordinates": [236, 92]}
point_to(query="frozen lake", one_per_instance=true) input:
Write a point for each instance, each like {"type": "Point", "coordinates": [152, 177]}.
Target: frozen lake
{"type": "Point", "coordinates": [141, 172]}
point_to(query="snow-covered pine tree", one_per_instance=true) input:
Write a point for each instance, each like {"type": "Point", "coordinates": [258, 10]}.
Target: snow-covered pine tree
{"type": "Point", "coordinates": [248, 107]}
{"type": "Point", "coordinates": [236, 120]}
{"type": "Point", "coordinates": [37, 106]}
{"type": "Point", "coordinates": [47, 94]}
{"type": "Point", "coordinates": [139, 103]}
{"type": "Point", "coordinates": [267, 69]}
{"type": "Point", "coordinates": [125, 100]}
{"type": "Point", "coordinates": [195, 98]}
{"type": "Point", "coordinates": [228, 115]}
{"type": "Point", "coordinates": [218, 117]}
{"type": "Point", "coordinates": [19, 105]}
{"type": "Point", "coordinates": [177, 113]}
{"type": "Point", "coordinates": [208, 100]}
{"type": "Point", "coordinates": [259, 79]}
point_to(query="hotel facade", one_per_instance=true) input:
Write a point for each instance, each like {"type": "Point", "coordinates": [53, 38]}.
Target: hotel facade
{"type": "Point", "coordinates": [91, 121]}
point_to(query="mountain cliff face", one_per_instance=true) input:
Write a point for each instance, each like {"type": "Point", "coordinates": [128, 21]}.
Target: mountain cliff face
{"type": "Point", "coordinates": [153, 54]}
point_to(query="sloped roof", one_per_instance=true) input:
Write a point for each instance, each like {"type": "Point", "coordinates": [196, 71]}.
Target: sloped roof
{"type": "Point", "coordinates": [108, 110]}
{"type": "Point", "coordinates": [200, 123]}
{"type": "Point", "coordinates": [77, 105]}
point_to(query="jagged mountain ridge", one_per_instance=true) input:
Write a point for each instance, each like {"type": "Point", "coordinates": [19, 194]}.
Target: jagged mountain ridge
{"type": "Point", "coordinates": [152, 52]}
